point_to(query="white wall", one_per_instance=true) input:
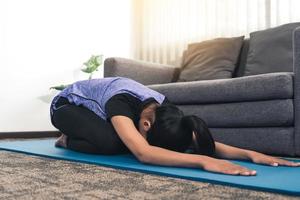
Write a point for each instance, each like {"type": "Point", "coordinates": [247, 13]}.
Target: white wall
{"type": "Point", "coordinates": [44, 43]}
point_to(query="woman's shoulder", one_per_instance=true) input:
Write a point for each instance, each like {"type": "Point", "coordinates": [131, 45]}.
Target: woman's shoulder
{"type": "Point", "coordinates": [123, 104]}
{"type": "Point", "coordinates": [166, 101]}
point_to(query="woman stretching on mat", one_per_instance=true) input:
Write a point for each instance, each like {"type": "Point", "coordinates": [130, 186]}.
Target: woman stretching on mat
{"type": "Point", "coordinates": [118, 115]}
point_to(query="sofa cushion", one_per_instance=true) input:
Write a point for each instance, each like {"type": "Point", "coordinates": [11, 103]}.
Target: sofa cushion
{"type": "Point", "coordinates": [211, 59]}
{"type": "Point", "coordinates": [271, 50]}
{"type": "Point", "coordinates": [241, 64]}
{"type": "Point", "coordinates": [269, 140]}
{"type": "Point", "coordinates": [244, 114]}
{"type": "Point", "coordinates": [249, 88]}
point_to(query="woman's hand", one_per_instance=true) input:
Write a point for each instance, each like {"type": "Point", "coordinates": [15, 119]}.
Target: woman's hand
{"type": "Point", "coordinates": [226, 167]}
{"type": "Point", "coordinates": [269, 160]}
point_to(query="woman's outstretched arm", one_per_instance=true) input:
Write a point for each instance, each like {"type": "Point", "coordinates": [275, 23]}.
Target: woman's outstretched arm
{"type": "Point", "coordinates": [146, 153]}
{"type": "Point", "coordinates": [230, 152]}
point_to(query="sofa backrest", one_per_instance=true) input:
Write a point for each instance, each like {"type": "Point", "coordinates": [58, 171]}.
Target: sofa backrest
{"type": "Point", "coordinates": [267, 51]}
{"type": "Point", "coordinates": [241, 64]}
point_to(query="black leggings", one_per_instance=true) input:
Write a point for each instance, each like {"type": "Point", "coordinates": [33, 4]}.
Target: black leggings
{"type": "Point", "coordinates": [86, 131]}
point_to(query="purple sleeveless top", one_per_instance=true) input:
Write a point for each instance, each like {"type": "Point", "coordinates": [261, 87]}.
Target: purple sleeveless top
{"type": "Point", "coordinates": [94, 93]}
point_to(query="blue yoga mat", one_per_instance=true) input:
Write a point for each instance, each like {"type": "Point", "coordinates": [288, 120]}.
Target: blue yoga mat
{"type": "Point", "coordinates": [273, 179]}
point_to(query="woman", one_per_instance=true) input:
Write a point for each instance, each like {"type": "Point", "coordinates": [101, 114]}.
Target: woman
{"type": "Point", "coordinates": [118, 115]}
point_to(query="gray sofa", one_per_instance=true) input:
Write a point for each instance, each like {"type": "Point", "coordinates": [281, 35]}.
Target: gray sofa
{"type": "Point", "coordinates": [259, 112]}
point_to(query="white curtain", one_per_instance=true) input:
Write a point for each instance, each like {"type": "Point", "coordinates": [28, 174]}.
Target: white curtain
{"type": "Point", "coordinates": [163, 28]}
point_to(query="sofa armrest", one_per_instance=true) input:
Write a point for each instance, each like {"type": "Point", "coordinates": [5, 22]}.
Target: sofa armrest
{"type": "Point", "coordinates": [143, 72]}
{"type": "Point", "coordinates": [296, 67]}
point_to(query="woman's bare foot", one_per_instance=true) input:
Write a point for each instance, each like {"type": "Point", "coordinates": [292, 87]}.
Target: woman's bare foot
{"type": "Point", "coordinates": [61, 141]}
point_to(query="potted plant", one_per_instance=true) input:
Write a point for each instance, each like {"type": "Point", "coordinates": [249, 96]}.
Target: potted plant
{"type": "Point", "coordinates": [91, 66]}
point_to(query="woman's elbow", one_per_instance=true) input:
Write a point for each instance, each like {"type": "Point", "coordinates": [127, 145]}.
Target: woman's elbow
{"type": "Point", "coordinates": [143, 159]}
{"type": "Point", "coordinates": [143, 155]}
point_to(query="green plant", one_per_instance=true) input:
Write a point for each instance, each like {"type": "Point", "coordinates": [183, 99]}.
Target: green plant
{"type": "Point", "coordinates": [91, 66]}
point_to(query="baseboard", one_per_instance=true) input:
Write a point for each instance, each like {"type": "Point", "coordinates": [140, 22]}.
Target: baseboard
{"type": "Point", "coordinates": [32, 134]}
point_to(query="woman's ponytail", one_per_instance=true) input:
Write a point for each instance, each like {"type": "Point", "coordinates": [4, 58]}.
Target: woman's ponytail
{"type": "Point", "coordinates": [172, 130]}
{"type": "Point", "coordinates": [204, 143]}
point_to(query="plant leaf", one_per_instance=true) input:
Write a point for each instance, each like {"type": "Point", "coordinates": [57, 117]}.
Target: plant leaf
{"type": "Point", "coordinates": [92, 64]}
{"type": "Point", "coordinates": [59, 87]}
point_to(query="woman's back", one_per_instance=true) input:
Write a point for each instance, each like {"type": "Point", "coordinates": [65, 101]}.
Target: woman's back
{"type": "Point", "coordinates": [93, 94]}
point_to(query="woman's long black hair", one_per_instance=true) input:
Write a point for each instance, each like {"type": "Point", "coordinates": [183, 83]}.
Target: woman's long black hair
{"type": "Point", "coordinates": [174, 131]}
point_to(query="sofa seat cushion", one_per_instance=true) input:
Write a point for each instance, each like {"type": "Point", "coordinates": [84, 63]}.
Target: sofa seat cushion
{"type": "Point", "coordinates": [268, 113]}
{"type": "Point", "coordinates": [250, 88]}
{"type": "Point", "coordinates": [269, 140]}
